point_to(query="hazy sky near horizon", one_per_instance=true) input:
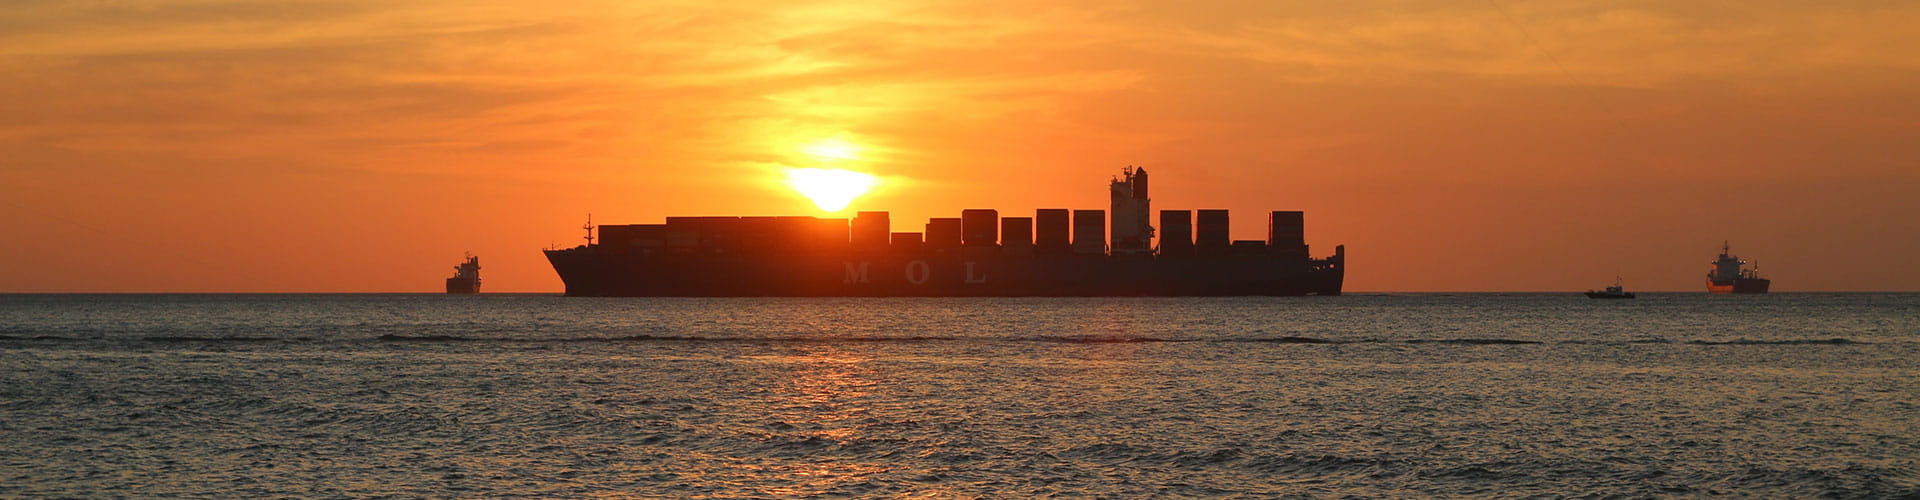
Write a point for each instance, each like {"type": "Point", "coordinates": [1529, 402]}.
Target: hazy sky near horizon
{"type": "Point", "coordinates": [358, 145]}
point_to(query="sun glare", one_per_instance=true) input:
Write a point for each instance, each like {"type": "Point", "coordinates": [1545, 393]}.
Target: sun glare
{"type": "Point", "coordinates": [830, 189]}
{"type": "Point", "coordinates": [832, 149]}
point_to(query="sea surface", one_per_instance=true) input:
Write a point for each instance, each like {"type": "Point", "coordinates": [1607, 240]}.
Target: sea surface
{"type": "Point", "coordinates": [1420, 395]}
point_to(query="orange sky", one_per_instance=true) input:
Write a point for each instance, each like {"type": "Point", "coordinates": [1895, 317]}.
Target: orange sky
{"type": "Point", "coordinates": [229, 145]}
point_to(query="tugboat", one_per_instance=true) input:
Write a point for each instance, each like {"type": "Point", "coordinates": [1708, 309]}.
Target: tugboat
{"type": "Point", "coordinates": [466, 277]}
{"type": "Point", "coordinates": [1614, 291]}
{"type": "Point", "coordinates": [1727, 276]}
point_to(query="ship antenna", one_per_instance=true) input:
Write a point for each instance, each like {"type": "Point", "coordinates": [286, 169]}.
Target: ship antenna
{"type": "Point", "coordinates": [589, 228]}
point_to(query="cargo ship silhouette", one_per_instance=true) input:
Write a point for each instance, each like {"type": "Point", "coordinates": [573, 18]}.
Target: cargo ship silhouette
{"type": "Point", "coordinates": [1726, 276]}
{"type": "Point", "coordinates": [1056, 252]}
{"type": "Point", "coordinates": [466, 277]}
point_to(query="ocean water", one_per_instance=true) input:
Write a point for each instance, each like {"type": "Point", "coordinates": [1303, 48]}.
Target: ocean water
{"type": "Point", "coordinates": [1471, 395]}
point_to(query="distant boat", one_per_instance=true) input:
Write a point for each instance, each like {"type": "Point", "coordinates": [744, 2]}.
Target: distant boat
{"type": "Point", "coordinates": [1614, 291]}
{"type": "Point", "coordinates": [1727, 276]}
{"type": "Point", "coordinates": [466, 277]}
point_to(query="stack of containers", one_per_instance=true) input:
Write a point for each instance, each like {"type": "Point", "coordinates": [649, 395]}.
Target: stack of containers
{"type": "Point", "coordinates": [711, 234]}
{"type": "Point", "coordinates": [943, 234]}
{"type": "Point", "coordinates": [1211, 233]}
{"type": "Point", "coordinates": [1050, 232]}
{"type": "Point", "coordinates": [1016, 235]}
{"type": "Point", "coordinates": [980, 227]}
{"type": "Point", "coordinates": [759, 235]}
{"type": "Point", "coordinates": [870, 231]}
{"type": "Point", "coordinates": [616, 238]}
{"type": "Point", "coordinates": [828, 235]}
{"type": "Point", "coordinates": [1089, 232]}
{"type": "Point", "coordinates": [908, 243]}
{"type": "Point", "coordinates": [1176, 233]}
{"type": "Point", "coordinates": [980, 231]}
{"type": "Point", "coordinates": [1286, 233]}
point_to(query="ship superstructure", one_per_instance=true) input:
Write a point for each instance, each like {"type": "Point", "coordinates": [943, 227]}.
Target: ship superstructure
{"type": "Point", "coordinates": [1055, 252]}
{"type": "Point", "coordinates": [1132, 213]}
{"type": "Point", "coordinates": [1728, 275]}
{"type": "Point", "coordinates": [466, 277]}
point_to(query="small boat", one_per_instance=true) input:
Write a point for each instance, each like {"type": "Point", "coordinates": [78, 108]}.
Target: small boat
{"type": "Point", "coordinates": [1614, 291]}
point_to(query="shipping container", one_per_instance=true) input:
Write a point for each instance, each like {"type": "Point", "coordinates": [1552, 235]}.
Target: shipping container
{"type": "Point", "coordinates": [870, 230]}
{"type": "Point", "coordinates": [1176, 232]}
{"type": "Point", "coordinates": [1286, 230]}
{"type": "Point", "coordinates": [758, 233]}
{"type": "Point", "coordinates": [943, 234]}
{"type": "Point", "coordinates": [1016, 231]}
{"type": "Point", "coordinates": [1211, 232]}
{"type": "Point", "coordinates": [1052, 231]}
{"type": "Point", "coordinates": [980, 227]}
{"type": "Point", "coordinates": [614, 237]}
{"type": "Point", "coordinates": [905, 242]}
{"type": "Point", "coordinates": [708, 234]}
{"type": "Point", "coordinates": [829, 235]}
{"type": "Point", "coordinates": [622, 238]}
{"type": "Point", "coordinates": [775, 234]}
{"type": "Point", "coordinates": [1089, 231]}
{"type": "Point", "coordinates": [683, 239]}
{"type": "Point", "coordinates": [1249, 247]}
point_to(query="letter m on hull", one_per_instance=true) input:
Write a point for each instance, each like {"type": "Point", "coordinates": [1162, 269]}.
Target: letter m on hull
{"type": "Point", "coordinates": [856, 273]}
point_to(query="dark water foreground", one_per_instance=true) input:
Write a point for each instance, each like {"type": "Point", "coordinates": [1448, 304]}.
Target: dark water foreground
{"type": "Point", "coordinates": [1786, 395]}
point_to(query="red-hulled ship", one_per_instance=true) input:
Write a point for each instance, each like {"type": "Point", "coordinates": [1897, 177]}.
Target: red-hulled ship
{"type": "Point", "coordinates": [1057, 252]}
{"type": "Point", "coordinates": [1727, 276]}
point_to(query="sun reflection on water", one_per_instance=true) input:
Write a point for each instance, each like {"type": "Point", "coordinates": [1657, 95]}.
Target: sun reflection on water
{"type": "Point", "coordinates": [823, 402]}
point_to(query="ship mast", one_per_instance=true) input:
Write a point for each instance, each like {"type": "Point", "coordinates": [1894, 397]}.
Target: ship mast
{"type": "Point", "coordinates": [589, 228]}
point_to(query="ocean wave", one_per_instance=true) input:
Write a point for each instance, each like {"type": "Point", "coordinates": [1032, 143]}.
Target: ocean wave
{"type": "Point", "coordinates": [1850, 481]}
{"type": "Point", "coordinates": [425, 338]}
{"type": "Point", "coordinates": [1475, 341]}
{"type": "Point", "coordinates": [1833, 341]}
{"type": "Point", "coordinates": [1288, 340]}
{"type": "Point", "coordinates": [1103, 339]}
{"type": "Point", "coordinates": [183, 338]}
{"type": "Point", "coordinates": [10, 338]}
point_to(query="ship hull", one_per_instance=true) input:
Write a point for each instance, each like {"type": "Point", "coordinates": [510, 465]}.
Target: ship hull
{"type": "Point", "coordinates": [462, 286]}
{"type": "Point", "coordinates": [1740, 285]}
{"type": "Point", "coordinates": [587, 272]}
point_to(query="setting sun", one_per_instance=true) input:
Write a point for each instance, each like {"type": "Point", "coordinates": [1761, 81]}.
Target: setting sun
{"type": "Point", "coordinates": [830, 189]}
{"type": "Point", "coordinates": [832, 149]}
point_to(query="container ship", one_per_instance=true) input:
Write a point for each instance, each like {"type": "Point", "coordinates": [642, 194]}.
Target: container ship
{"type": "Point", "coordinates": [1727, 276]}
{"type": "Point", "coordinates": [1056, 252]}
{"type": "Point", "coordinates": [466, 277]}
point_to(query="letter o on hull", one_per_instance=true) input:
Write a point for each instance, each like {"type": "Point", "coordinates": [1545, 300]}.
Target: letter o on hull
{"type": "Point", "coordinates": [918, 272]}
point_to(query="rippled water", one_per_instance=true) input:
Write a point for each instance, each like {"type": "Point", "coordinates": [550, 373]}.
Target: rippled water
{"type": "Point", "coordinates": [541, 396]}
